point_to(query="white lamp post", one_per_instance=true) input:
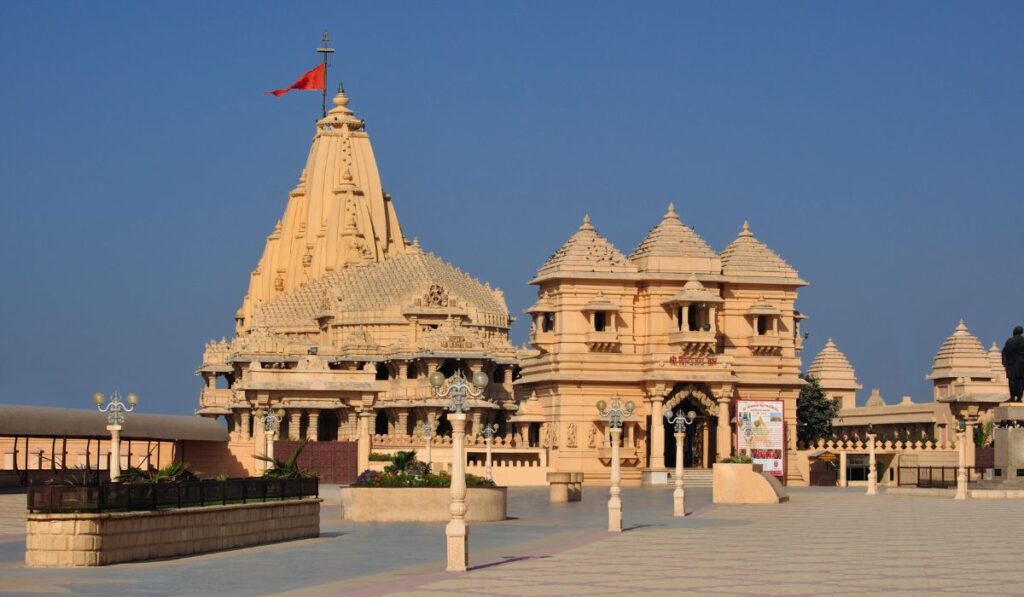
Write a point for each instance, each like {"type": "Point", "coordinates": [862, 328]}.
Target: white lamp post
{"type": "Point", "coordinates": [488, 433]}
{"type": "Point", "coordinates": [680, 422]}
{"type": "Point", "coordinates": [458, 388]}
{"type": "Point", "coordinates": [428, 436]}
{"type": "Point", "coordinates": [115, 410]}
{"type": "Point", "coordinates": [615, 415]}
{"type": "Point", "coordinates": [872, 466]}
{"type": "Point", "coordinates": [270, 421]}
{"type": "Point", "coordinates": [961, 468]}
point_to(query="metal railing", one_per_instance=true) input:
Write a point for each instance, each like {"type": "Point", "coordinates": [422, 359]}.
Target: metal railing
{"type": "Point", "coordinates": [931, 476]}
{"type": "Point", "coordinates": [128, 497]}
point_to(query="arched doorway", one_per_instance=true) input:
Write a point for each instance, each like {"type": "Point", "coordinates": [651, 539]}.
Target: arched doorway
{"type": "Point", "coordinates": [700, 447]}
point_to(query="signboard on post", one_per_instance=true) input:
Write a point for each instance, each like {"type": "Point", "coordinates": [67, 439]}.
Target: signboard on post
{"type": "Point", "coordinates": [761, 433]}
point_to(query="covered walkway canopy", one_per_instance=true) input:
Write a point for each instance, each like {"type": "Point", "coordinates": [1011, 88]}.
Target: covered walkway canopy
{"type": "Point", "coordinates": [38, 421]}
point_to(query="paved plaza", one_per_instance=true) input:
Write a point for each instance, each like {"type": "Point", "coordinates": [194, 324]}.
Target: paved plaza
{"type": "Point", "coordinates": [824, 541]}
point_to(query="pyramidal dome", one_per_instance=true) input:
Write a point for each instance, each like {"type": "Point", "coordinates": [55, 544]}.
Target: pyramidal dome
{"type": "Point", "coordinates": [747, 256]}
{"type": "Point", "coordinates": [672, 246]}
{"type": "Point", "coordinates": [832, 369]}
{"type": "Point", "coordinates": [586, 251]}
{"type": "Point", "coordinates": [961, 355]}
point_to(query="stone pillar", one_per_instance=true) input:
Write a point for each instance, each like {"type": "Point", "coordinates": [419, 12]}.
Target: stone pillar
{"type": "Point", "coordinates": [457, 532]}
{"type": "Point", "coordinates": [115, 451]}
{"type": "Point", "coordinates": [403, 422]}
{"type": "Point", "coordinates": [872, 466]}
{"type": "Point", "coordinates": [474, 427]}
{"type": "Point", "coordinates": [657, 434]}
{"type": "Point", "coordinates": [294, 424]}
{"type": "Point", "coordinates": [246, 430]}
{"type": "Point", "coordinates": [842, 469]}
{"type": "Point", "coordinates": [711, 318]}
{"type": "Point", "coordinates": [724, 436]}
{"type": "Point", "coordinates": [705, 438]}
{"type": "Point", "coordinates": [342, 423]}
{"type": "Point", "coordinates": [961, 465]}
{"type": "Point", "coordinates": [679, 494]}
{"type": "Point", "coordinates": [614, 492]}
{"type": "Point", "coordinates": [524, 434]}
{"type": "Point", "coordinates": [969, 446]}
{"type": "Point", "coordinates": [313, 431]}
{"type": "Point", "coordinates": [364, 446]}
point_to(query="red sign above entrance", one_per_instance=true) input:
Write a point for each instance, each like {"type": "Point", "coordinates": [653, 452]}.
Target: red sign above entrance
{"type": "Point", "coordinates": [683, 361]}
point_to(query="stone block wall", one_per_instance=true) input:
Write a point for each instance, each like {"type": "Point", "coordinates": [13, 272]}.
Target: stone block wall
{"type": "Point", "coordinates": [88, 539]}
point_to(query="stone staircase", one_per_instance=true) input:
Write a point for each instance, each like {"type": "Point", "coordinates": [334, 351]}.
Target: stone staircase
{"type": "Point", "coordinates": [693, 477]}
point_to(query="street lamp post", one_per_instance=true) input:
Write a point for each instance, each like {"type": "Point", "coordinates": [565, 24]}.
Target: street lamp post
{"type": "Point", "coordinates": [270, 421]}
{"type": "Point", "coordinates": [428, 435]}
{"type": "Point", "coordinates": [115, 410]}
{"type": "Point", "coordinates": [680, 422]}
{"type": "Point", "coordinates": [615, 414]}
{"type": "Point", "coordinates": [488, 433]}
{"type": "Point", "coordinates": [872, 465]}
{"type": "Point", "coordinates": [458, 389]}
{"type": "Point", "coordinates": [961, 468]}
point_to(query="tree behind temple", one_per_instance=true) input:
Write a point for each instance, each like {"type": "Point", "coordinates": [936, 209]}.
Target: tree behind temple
{"type": "Point", "coordinates": [814, 412]}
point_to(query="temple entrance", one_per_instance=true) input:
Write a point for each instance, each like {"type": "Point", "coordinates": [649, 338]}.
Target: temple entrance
{"type": "Point", "coordinates": [700, 447]}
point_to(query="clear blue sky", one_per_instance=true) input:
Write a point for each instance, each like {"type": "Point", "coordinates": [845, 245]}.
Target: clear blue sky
{"type": "Point", "coordinates": [876, 146]}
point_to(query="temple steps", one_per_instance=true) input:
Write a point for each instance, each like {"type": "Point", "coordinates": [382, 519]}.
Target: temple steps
{"type": "Point", "coordinates": [693, 477]}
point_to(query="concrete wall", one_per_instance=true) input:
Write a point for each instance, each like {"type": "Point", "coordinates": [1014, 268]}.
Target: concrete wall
{"type": "Point", "coordinates": [67, 540]}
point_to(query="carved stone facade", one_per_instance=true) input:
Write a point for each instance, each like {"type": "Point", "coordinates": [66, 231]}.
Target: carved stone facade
{"type": "Point", "coordinates": [344, 320]}
{"type": "Point", "coordinates": [675, 325]}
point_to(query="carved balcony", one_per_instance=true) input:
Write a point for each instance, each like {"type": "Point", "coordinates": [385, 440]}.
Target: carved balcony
{"type": "Point", "coordinates": [215, 397]}
{"type": "Point", "coordinates": [765, 345]}
{"type": "Point", "coordinates": [606, 341]}
{"type": "Point", "coordinates": [694, 343]}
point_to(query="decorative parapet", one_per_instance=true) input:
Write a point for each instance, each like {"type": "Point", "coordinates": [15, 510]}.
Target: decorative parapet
{"type": "Point", "coordinates": [857, 445]}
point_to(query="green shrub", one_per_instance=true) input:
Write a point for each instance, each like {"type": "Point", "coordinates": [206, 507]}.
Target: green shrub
{"type": "Point", "coordinates": [401, 479]}
{"type": "Point", "coordinates": [740, 459]}
{"type": "Point", "coordinates": [380, 457]}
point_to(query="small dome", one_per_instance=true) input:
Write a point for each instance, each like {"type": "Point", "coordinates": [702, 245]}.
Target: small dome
{"type": "Point", "coordinates": [961, 355]}
{"type": "Point", "coordinates": [832, 369]}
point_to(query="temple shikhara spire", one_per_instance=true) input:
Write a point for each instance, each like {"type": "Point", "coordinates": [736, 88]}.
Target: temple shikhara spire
{"type": "Point", "coordinates": [337, 216]}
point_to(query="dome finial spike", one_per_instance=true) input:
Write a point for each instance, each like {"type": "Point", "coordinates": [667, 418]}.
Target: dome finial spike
{"type": "Point", "coordinates": [586, 225]}
{"type": "Point", "coordinates": [746, 229]}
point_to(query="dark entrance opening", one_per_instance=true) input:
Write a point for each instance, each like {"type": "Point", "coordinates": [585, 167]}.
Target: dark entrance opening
{"type": "Point", "coordinates": [695, 450]}
{"type": "Point", "coordinates": [327, 426]}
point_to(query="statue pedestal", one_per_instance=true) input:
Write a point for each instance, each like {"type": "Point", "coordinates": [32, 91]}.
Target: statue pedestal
{"type": "Point", "coordinates": [1009, 444]}
{"type": "Point", "coordinates": [654, 476]}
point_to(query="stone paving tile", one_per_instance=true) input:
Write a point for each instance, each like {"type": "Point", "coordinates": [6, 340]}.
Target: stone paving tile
{"type": "Point", "coordinates": [822, 542]}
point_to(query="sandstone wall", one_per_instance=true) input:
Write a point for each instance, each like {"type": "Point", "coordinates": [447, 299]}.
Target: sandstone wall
{"type": "Point", "coordinates": [66, 540]}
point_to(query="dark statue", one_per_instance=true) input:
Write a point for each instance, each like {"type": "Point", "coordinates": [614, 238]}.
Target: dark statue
{"type": "Point", "coordinates": [1013, 361]}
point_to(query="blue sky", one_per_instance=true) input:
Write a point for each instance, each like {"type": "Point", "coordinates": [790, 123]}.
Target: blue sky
{"type": "Point", "coordinates": [876, 146]}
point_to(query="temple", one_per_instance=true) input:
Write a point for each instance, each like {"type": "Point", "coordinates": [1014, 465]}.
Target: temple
{"type": "Point", "coordinates": [673, 326]}
{"type": "Point", "coordinates": [968, 382]}
{"type": "Point", "coordinates": [344, 319]}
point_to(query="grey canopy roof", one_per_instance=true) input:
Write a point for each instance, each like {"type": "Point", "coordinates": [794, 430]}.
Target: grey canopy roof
{"type": "Point", "coordinates": [38, 421]}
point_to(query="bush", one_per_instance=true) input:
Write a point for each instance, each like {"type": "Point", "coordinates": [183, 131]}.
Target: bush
{"type": "Point", "coordinates": [370, 478]}
{"type": "Point", "coordinates": [741, 459]}
{"type": "Point", "coordinates": [380, 457]}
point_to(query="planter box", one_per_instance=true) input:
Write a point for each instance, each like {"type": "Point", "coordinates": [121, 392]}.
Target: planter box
{"type": "Point", "coordinates": [91, 539]}
{"type": "Point", "coordinates": [420, 504]}
{"type": "Point", "coordinates": [745, 484]}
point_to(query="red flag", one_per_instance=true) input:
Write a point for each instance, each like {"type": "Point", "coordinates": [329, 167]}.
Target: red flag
{"type": "Point", "coordinates": [314, 79]}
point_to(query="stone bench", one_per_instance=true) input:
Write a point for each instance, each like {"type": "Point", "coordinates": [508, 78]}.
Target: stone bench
{"type": "Point", "coordinates": [565, 487]}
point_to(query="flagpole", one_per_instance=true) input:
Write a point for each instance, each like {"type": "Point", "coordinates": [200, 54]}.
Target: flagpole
{"type": "Point", "coordinates": [325, 50]}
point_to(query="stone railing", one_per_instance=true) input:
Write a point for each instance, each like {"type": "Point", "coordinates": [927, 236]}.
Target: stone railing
{"type": "Point", "coordinates": [858, 445]}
